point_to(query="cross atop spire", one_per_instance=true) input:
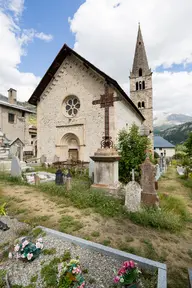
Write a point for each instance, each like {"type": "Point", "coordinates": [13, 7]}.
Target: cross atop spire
{"type": "Point", "coordinates": [140, 63]}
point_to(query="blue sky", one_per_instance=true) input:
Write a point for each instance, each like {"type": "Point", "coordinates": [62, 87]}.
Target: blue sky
{"type": "Point", "coordinates": [51, 17]}
{"type": "Point", "coordinates": [33, 31]}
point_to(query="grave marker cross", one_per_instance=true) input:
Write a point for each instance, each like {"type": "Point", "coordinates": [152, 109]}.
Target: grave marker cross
{"type": "Point", "coordinates": [133, 174]}
{"type": "Point", "coordinates": [106, 101]}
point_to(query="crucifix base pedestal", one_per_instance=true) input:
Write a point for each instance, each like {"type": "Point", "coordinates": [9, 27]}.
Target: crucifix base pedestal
{"type": "Point", "coordinates": [106, 169]}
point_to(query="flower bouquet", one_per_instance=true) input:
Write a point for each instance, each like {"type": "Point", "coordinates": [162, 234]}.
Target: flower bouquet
{"type": "Point", "coordinates": [26, 250]}
{"type": "Point", "coordinates": [128, 275]}
{"type": "Point", "coordinates": [70, 275]}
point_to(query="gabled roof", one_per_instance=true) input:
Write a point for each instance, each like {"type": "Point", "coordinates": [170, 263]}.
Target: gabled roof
{"type": "Point", "coordinates": [16, 107]}
{"type": "Point", "coordinates": [160, 142]}
{"type": "Point", "coordinates": [63, 53]}
{"type": "Point", "coordinates": [17, 139]}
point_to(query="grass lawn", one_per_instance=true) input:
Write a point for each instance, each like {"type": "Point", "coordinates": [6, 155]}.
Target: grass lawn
{"type": "Point", "coordinates": [163, 235]}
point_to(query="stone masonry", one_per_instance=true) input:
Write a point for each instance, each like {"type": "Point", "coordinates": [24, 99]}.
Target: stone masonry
{"type": "Point", "coordinates": [141, 84]}
{"type": "Point", "coordinates": [57, 132]}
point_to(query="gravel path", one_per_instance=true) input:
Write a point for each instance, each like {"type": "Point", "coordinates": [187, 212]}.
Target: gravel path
{"type": "Point", "coordinates": [100, 267]}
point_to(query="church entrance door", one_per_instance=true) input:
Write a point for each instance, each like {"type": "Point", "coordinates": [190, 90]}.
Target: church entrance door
{"type": "Point", "coordinates": [73, 154]}
{"type": "Point", "coordinates": [71, 145]}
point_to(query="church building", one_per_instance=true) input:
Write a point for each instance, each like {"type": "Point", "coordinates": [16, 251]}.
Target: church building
{"type": "Point", "coordinates": [77, 105]}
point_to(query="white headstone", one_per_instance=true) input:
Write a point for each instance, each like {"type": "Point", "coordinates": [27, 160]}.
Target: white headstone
{"type": "Point", "coordinates": [133, 196]}
{"type": "Point", "coordinates": [15, 167]}
{"type": "Point", "coordinates": [43, 159]}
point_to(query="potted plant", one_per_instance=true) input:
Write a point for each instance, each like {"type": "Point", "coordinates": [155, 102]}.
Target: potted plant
{"type": "Point", "coordinates": [70, 275]}
{"type": "Point", "coordinates": [26, 250]}
{"type": "Point", "coordinates": [128, 275]}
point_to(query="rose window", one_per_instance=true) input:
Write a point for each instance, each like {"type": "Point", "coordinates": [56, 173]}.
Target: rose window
{"type": "Point", "coordinates": [72, 105]}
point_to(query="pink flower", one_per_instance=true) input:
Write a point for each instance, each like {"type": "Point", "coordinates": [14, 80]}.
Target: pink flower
{"type": "Point", "coordinates": [82, 285]}
{"type": "Point", "coordinates": [29, 256]}
{"type": "Point", "coordinates": [17, 247]}
{"type": "Point", "coordinates": [116, 279]}
{"type": "Point", "coordinates": [25, 243]}
{"type": "Point", "coordinates": [126, 264]}
{"type": "Point", "coordinates": [122, 271]}
{"type": "Point", "coordinates": [40, 240]}
{"type": "Point", "coordinates": [39, 245]}
{"type": "Point", "coordinates": [132, 264]}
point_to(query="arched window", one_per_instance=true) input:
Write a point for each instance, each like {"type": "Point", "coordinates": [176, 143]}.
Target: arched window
{"type": "Point", "coordinates": [143, 104]}
{"type": "Point", "coordinates": [140, 85]}
{"type": "Point", "coordinates": [143, 84]}
{"type": "Point", "coordinates": [139, 104]}
{"type": "Point", "coordinates": [140, 72]}
{"type": "Point", "coordinates": [137, 86]}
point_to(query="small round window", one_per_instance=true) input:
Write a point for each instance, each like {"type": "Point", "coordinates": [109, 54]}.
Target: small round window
{"type": "Point", "coordinates": [71, 106]}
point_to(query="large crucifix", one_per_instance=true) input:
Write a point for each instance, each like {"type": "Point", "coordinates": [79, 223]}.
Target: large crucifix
{"type": "Point", "coordinates": [106, 101]}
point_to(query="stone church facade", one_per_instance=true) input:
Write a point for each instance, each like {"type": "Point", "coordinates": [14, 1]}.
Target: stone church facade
{"type": "Point", "coordinates": [69, 124]}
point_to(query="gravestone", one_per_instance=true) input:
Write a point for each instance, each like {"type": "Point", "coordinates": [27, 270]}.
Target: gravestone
{"type": "Point", "coordinates": [59, 177]}
{"type": "Point", "coordinates": [36, 179]}
{"type": "Point", "coordinates": [133, 196]}
{"type": "Point", "coordinates": [55, 159]}
{"type": "Point", "coordinates": [15, 167]}
{"type": "Point", "coordinates": [158, 172]}
{"type": "Point", "coordinates": [148, 196]}
{"type": "Point", "coordinates": [43, 159]}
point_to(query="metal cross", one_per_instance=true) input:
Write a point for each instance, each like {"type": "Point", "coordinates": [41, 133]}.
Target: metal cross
{"type": "Point", "coordinates": [106, 101]}
{"type": "Point", "coordinates": [133, 174]}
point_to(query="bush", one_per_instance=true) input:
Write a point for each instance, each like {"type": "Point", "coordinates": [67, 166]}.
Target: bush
{"type": "Point", "coordinates": [132, 149]}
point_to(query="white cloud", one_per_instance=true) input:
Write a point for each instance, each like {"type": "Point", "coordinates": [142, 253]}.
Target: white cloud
{"type": "Point", "coordinates": [14, 41]}
{"type": "Point", "coordinates": [105, 33]}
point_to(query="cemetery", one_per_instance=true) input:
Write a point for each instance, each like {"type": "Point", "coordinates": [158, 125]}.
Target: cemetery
{"type": "Point", "coordinates": [96, 222]}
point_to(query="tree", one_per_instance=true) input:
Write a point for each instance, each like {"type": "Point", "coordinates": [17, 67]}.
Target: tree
{"type": "Point", "coordinates": [132, 148]}
{"type": "Point", "coordinates": [188, 144]}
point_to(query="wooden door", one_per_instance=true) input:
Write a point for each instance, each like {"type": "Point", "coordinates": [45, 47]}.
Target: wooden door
{"type": "Point", "coordinates": [73, 154]}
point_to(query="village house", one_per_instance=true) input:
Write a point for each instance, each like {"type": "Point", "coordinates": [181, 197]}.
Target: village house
{"type": "Point", "coordinates": [15, 124]}
{"type": "Point", "coordinates": [162, 146]}
{"type": "Point", "coordinates": [70, 100]}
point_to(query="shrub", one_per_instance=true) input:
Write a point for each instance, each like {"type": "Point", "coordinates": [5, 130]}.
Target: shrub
{"type": "Point", "coordinates": [132, 149]}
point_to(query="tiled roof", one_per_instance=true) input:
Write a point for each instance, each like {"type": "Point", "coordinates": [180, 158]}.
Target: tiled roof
{"type": "Point", "coordinates": [160, 142]}
{"type": "Point", "coordinates": [15, 106]}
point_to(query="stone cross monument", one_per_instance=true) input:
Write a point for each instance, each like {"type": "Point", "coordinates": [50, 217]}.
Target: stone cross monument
{"type": "Point", "coordinates": [106, 174]}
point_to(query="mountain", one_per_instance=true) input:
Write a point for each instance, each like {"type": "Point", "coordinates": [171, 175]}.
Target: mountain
{"type": "Point", "coordinates": [177, 134]}
{"type": "Point", "coordinates": [164, 120]}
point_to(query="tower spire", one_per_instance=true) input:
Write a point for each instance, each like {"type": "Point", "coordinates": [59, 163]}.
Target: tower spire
{"type": "Point", "coordinates": [140, 63]}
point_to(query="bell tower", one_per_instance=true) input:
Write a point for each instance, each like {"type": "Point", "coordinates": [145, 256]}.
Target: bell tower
{"type": "Point", "coordinates": [141, 92]}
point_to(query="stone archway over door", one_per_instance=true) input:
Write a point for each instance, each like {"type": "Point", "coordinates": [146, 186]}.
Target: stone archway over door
{"type": "Point", "coordinates": [71, 145]}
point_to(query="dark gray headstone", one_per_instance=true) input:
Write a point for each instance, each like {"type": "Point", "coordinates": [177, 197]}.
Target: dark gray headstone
{"type": "Point", "coordinates": [59, 177]}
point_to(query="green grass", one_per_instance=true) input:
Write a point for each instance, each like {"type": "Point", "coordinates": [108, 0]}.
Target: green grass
{"type": "Point", "coordinates": [175, 205]}
{"type": "Point", "coordinates": [50, 251]}
{"type": "Point", "coordinates": [2, 280]}
{"type": "Point", "coordinates": [95, 234]}
{"type": "Point", "coordinates": [68, 224]}
{"type": "Point", "coordinates": [159, 219]}
{"type": "Point", "coordinates": [36, 232]}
